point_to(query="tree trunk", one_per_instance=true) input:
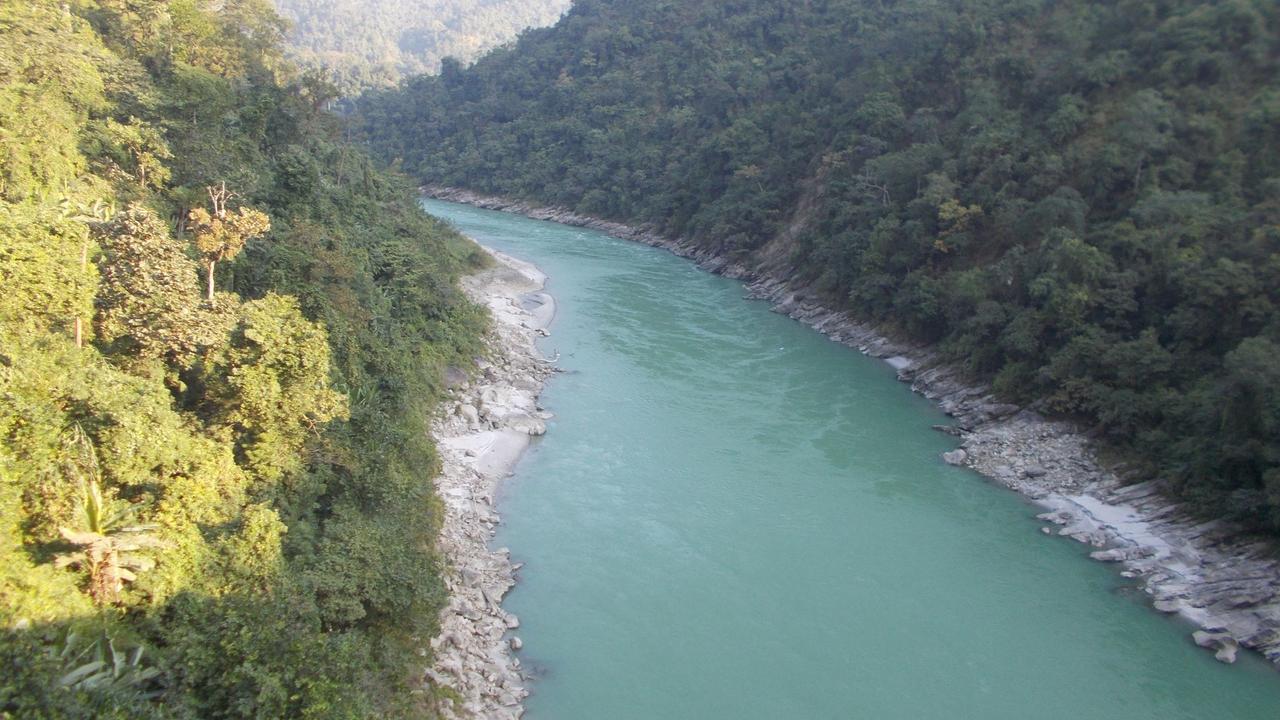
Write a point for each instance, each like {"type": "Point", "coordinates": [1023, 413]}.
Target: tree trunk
{"type": "Point", "coordinates": [84, 267]}
{"type": "Point", "coordinates": [211, 264]}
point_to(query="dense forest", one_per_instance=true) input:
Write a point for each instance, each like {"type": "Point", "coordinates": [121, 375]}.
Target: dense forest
{"type": "Point", "coordinates": [221, 334]}
{"type": "Point", "coordinates": [1077, 200]}
{"type": "Point", "coordinates": [374, 43]}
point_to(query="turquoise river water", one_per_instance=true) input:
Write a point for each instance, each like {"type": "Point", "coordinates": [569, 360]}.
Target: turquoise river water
{"type": "Point", "coordinates": [733, 517]}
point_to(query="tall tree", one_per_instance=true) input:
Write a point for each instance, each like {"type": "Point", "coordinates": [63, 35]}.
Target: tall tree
{"type": "Point", "coordinates": [149, 297]}
{"type": "Point", "coordinates": [221, 235]}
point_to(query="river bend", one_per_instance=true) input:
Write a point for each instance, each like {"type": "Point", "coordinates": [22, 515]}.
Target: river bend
{"type": "Point", "coordinates": [733, 517]}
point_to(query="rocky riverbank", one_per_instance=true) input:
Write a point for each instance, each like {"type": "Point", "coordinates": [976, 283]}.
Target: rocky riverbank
{"type": "Point", "coordinates": [1207, 572]}
{"type": "Point", "coordinates": [489, 422]}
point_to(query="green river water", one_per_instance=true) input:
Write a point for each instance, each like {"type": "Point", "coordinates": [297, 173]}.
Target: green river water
{"type": "Point", "coordinates": [733, 517]}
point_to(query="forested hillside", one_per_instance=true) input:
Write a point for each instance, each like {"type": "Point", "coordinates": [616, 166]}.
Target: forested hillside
{"type": "Point", "coordinates": [372, 43]}
{"type": "Point", "coordinates": [1077, 200]}
{"type": "Point", "coordinates": [221, 333]}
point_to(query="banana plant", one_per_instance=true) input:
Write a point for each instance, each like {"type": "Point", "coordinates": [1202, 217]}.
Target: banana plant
{"type": "Point", "coordinates": [108, 542]}
{"type": "Point", "coordinates": [100, 665]}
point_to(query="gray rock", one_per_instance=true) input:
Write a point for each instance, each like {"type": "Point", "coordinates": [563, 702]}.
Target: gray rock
{"type": "Point", "coordinates": [528, 425]}
{"type": "Point", "coordinates": [955, 457]}
{"type": "Point", "coordinates": [1058, 517]}
{"type": "Point", "coordinates": [999, 410]}
{"type": "Point", "coordinates": [1123, 554]}
{"type": "Point", "coordinates": [469, 414]}
{"type": "Point", "coordinates": [1224, 646]}
{"type": "Point", "coordinates": [1035, 471]}
{"type": "Point", "coordinates": [1112, 555]}
{"type": "Point", "coordinates": [454, 377]}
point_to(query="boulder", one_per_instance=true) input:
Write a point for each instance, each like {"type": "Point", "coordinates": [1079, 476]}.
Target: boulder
{"type": "Point", "coordinates": [1058, 517]}
{"type": "Point", "coordinates": [1124, 554]}
{"type": "Point", "coordinates": [955, 457]}
{"type": "Point", "coordinates": [1224, 646]}
{"type": "Point", "coordinates": [454, 377]}
{"type": "Point", "coordinates": [527, 425]}
{"type": "Point", "coordinates": [1000, 410]}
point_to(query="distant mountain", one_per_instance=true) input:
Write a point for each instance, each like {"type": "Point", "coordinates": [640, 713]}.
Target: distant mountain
{"type": "Point", "coordinates": [369, 43]}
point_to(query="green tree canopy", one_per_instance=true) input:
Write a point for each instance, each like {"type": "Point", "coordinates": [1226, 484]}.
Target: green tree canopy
{"type": "Point", "coordinates": [1074, 200]}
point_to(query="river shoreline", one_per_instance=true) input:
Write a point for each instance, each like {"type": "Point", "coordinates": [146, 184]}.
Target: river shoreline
{"type": "Point", "coordinates": [1225, 584]}
{"type": "Point", "coordinates": [489, 422]}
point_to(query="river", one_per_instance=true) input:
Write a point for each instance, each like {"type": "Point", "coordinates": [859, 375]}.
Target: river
{"type": "Point", "coordinates": [734, 517]}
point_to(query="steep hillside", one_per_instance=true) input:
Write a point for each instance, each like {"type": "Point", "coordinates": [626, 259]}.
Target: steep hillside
{"type": "Point", "coordinates": [1079, 201]}
{"type": "Point", "coordinates": [372, 43]}
{"type": "Point", "coordinates": [221, 334]}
